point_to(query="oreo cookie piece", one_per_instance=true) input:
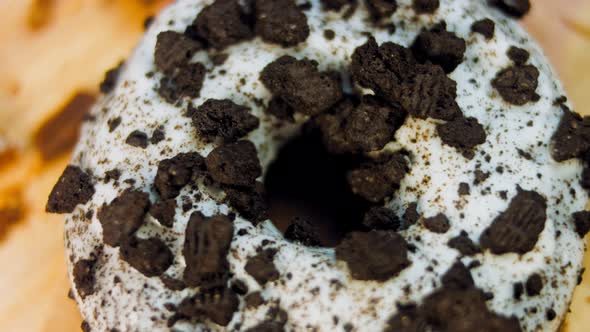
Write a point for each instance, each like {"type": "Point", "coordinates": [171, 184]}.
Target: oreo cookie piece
{"type": "Point", "coordinates": [215, 304]}
{"type": "Point", "coordinates": [425, 6]}
{"type": "Point", "coordinates": [223, 119]}
{"type": "Point", "coordinates": [234, 164]}
{"type": "Point", "coordinates": [173, 174]}
{"type": "Point", "coordinates": [151, 257]}
{"type": "Point", "coordinates": [84, 277]}
{"type": "Point", "coordinates": [486, 27]}
{"type": "Point", "coordinates": [440, 47]}
{"type": "Point", "coordinates": [262, 268]}
{"type": "Point", "coordinates": [123, 216]}
{"type": "Point", "coordinates": [74, 187]}
{"type": "Point", "coordinates": [280, 22]}
{"type": "Point", "coordinates": [221, 24]}
{"type": "Point", "coordinates": [378, 179]}
{"type": "Point", "coordinates": [376, 255]}
{"type": "Point", "coordinates": [515, 8]}
{"type": "Point", "coordinates": [517, 229]}
{"type": "Point", "coordinates": [517, 84]}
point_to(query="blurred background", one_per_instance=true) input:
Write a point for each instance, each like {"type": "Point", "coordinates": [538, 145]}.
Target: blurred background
{"type": "Point", "coordinates": [53, 55]}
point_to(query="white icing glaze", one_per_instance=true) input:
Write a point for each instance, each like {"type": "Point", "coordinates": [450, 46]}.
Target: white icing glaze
{"type": "Point", "coordinates": [131, 304]}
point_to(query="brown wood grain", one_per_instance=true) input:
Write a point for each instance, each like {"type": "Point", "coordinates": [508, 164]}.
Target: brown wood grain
{"type": "Point", "coordinates": [53, 50]}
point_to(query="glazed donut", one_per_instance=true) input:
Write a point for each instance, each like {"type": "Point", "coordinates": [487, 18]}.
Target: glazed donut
{"type": "Point", "coordinates": [450, 131]}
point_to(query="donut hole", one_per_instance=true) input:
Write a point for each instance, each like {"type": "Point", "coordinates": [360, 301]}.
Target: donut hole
{"type": "Point", "coordinates": [306, 181]}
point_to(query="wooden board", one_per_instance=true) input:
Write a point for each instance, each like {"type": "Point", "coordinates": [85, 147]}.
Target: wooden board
{"type": "Point", "coordinates": [54, 54]}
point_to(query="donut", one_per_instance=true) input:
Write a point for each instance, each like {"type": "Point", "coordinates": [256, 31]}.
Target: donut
{"type": "Point", "coordinates": [334, 165]}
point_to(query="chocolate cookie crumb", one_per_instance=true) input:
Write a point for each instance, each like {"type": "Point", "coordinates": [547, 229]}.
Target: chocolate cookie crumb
{"type": "Point", "coordinates": [110, 79]}
{"type": "Point", "coordinates": [223, 119]}
{"type": "Point", "coordinates": [114, 123]}
{"type": "Point", "coordinates": [335, 4]}
{"type": "Point", "coordinates": [174, 50]}
{"type": "Point", "coordinates": [329, 34]}
{"type": "Point", "coordinates": [462, 133]}
{"type": "Point", "coordinates": [377, 180]}
{"type": "Point", "coordinates": [173, 174]}
{"type": "Point", "coordinates": [262, 268]}
{"type": "Point", "coordinates": [440, 47]}
{"type": "Point", "coordinates": [234, 164]}
{"type": "Point", "coordinates": [239, 287]}
{"type": "Point", "coordinates": [84, 277]}
{"type": "Point", "coordinates": [382, 219]}
{"type": "Point", "coordinates": [411, 216]}
{"type": "Point", "coordinates": [85, 327]}
{"type": "Point", "coordinates": [123, 216]}
{"type": "Point", "coordinates": [517, 84]}
{"type": "Point", "coordinates": [73, 187]}
{"type": "Point", "coordinates": [464, 245]}
{"type": "Point", "coordinates": [425, 6]}
{"type": "Point", "coordinates": [250, 202]}
{"type": "Point", "coordinates": [486, 27]}
{"type": "Point", "coordinates": [137, 139]}
{"type": "Point", "coordinates": [164, 212]}
{"type": "Point", "coordinates": [217, 304]}
{"type": "Point", "coordinates": [186, 81]}
{"type": "Point", "coordinates": [534, 285]}
{"type": "Point", "coordinates": [205, 250]}
{"type": "Point", "coordinates": [437, 224]}
{"type": "Point", "coordinates": [281, 22]}
{"type": "Point", "coordinates": [157, 136]}
{"type": "Point", "coordinates": [515, 8]}
{"type": "Point", "coordinates": [151, 257]}
{"type": "Point", "coordinates": [172, 284]}
{"type": "Point", "coordinates": [380, 9]}
{"type": "Point", "coordinates": [464, 189]}
{"type": "Point", "coordinates": [518, 55]}
{"type": "Point", "coordinates": [582, 223]}
{"type": "Point", "coordinates": [376, 255]}
{"type": "Point", "coordinates": [518, 228]}
{"type": "Point", "coordinates": [221, 24]}
{"type": "Point", "coordinates": [517, 291]}
{"type": "Point", "coordinates": [302, 231]}
{"type": "Point", "coordinates": [550, 314]}
{"type": "Point", "coordinates": [253, 300]}
{"type": "Point", "coordinates": [572, 138]}
{"type": "Point", "coordinates": [301, 85]}
{"type": "Point", "coordinates": [366, 127]}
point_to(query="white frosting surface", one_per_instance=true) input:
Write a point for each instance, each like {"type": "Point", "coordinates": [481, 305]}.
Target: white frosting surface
{"type": "Point", "coordinates": [310, 296]}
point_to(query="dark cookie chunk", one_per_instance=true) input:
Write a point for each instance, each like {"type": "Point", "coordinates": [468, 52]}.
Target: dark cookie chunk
{"type": "Point", "coordinates": [205, 251]}
{"type": "Point", "coordinates": [85, 327]}
{"type": "Point", "coordinates": [462, 133]}
{"type": "Point", "coordinates": [172, 284]}
{"type": "Point", "coordinates": [254, 300]}
{"type": "Point", "coordinates": [480, 177]}
{"type": "Point", "coordinates": [262, 267]}
{"type": "Point", "coordinates": [335, 4]}
{"type": "Point", "coordinates": [464, 189]}
{"type": "Point", "coordinates": [112, 175]}
{"type": "Point", "coordinates": [382, 219]}
{"type": "Point", "coordinates": [517, 84]}
{"type": "Point", "coordinates": [392, 72]}
{"type": "Point", "coordinates": [186, 81]}
{"type": "Point", "coordinates": [84, 277]}
{"type": "Point", "coordinates": [239, 287]}
{"type": "Point", "coordinates": [301, 85]}
{"type": "Point", "coordinates": [164, 212]}
{"type": "Point", "coordinates": [329, 34]}
{"type": "Point", "coordinates": [515, 8]}
{"type": "Point", "coordinates": [534, 285]}
{"type": "Point", "coordinates": [157, 136]}
{"type": "Point", "coordinates": [366, 127]}
{"type": "Point", "coordinates": [517, 291]}
{"type": "Point", "coordinates": [114, 123]}
{"type": "Point", "coordinates": [381, 8]}
{"type": "Point", "coordinates": [411, 216]}
{"type": "Point", "coordinates": [280, 109]}
{"type": "Point", "coordinates": [518, 228]}
{"type": "Point", "coordinates": [464, 245]}
{"type": "Point", "coordinates": [518, 55]}
{"type": "Point", "coordinates": [275, 321]}
{"type": "Point", "coordinates": [221, 24]}
{"type": "Point", "coordinates": [376, 255]}
{"type": "Point", "coordinates": [123, 216]}
{"type": "Point", "coordinates": [250, 202]}
{"type": "Point", "coordinates": [437, 224]}
{"type": "Point", "coordinates": [302, 231]}
{"type": "Point", "coordinates": [174, 50]}
{"type": "Point", "coordinates": [572, 138]}
{"type": "Point", "coordinates": [151, 257]}
{"type": "Point", "coordinates": [440, 47]}
{"type": "Point", "coordinates": [550, 314]}
{"type": "Point", "coordinates": [223, 119]}
{"type": "Point", "coordinates": [425, 6]}
{"type": "Point", "coordinates": [137, 139]}
{"type": "Point", "coordinates": [110, 79]}
{"type": "Point", "coordinates": [459, 297]}
{"type": "Point", "coordinates": [73, 187]}
{"type": "Point", "coordinates": [379, 179]}
{"type": "Point", "coordinates": [234, 164]}
{"type": "Point", "coordinates": [582, 223]}
{"type": "Point", "coordinates": [175, 173]}
{"type": "Point", "coordinates": [281, 22]}
{"type": "Point", "coordinates": [485, 27]}
{"type": "Point", "coordinates": [216, 304]}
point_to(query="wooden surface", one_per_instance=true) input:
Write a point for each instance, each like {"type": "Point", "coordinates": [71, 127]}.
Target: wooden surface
{"type": "Point", "coordinates": [54, 54]}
